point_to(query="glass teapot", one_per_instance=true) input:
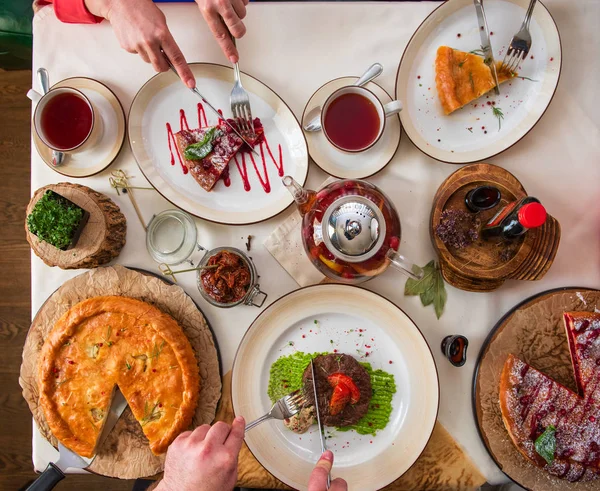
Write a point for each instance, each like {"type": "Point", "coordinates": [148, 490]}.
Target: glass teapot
{"type": "Point", "coordinates": [350, 230]}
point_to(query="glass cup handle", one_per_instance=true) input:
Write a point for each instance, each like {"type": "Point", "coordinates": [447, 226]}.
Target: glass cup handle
{"type": "Point", "coordinates": [254, 293]}
{"type": "Point", "coordinates": [392, 108]}
{"type": "Point", "coordinates": [404, 265]}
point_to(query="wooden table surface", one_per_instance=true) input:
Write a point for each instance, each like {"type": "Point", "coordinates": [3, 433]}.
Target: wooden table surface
{"type": "Point", "coordinates": [16, 469]}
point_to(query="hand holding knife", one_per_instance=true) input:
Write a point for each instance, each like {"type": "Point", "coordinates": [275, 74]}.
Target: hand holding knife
{"type": "Point", "coordinates": [323, 447]}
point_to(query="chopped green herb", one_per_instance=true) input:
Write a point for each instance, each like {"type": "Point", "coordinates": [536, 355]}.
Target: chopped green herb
{"type": "Point", "coordinates": [156, 351]}
{"type": "Point", "coordinates": [470, 129]}
{"type": "Point", "coordinates": [128, 365]}
{"type": "Point", "coordinates": [471, 81]}
{"type": "Point", "coordinates": [152, 415]}
{"type": "Point", "coordinates": [462, 63]}
{"type": "Point", "coordinates": [64, 381]}
{"type": "Point", "coordinates": [499, 114]}
{"type": "Point", "coordinates": [199, 150]}
{"type": "Point", "coordinates": [545, 444]}
{"type": "Point", "coordinates": [54, 220]}
{"type": "Point", "coordinates": [316, 321]}
{"type": "Point", "coordinates": [524, 78]}
{"type": "Point", "coordinates": [108, 333]}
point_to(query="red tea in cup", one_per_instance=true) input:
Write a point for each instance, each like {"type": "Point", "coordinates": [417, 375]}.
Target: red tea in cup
{"type": "Point", "coordinates": [66, 121]}
{"type": "Point", "coordinates": [352, 122]}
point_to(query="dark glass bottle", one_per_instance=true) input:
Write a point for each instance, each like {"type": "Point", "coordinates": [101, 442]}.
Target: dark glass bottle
{"type": "Point", "coordinates": [515, 219]}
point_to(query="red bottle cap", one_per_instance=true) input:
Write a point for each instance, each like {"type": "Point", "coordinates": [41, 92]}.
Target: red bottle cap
{"type": "Point", "coordinates": [532, 215]}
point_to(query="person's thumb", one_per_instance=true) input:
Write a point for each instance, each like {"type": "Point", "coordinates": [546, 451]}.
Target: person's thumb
{"type": "Point", "coordinates": [318, 477]}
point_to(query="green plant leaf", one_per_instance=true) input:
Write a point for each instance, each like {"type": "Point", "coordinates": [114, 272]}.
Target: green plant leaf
{"type": "Point", "coordinates": [416, 287]}
{"type": "Point", "coordinates": [199, 150]}
{"type": "Point", "coordinates": [545, 444]}
{"type": "Point", "coordinates": [431, 288]}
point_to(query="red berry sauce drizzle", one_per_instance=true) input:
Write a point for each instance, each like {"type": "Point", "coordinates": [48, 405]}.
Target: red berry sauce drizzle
{"type": "Point", "coordinates": [241, 163]}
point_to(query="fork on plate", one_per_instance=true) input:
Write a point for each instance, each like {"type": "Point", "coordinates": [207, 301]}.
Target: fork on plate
{"type": "Point", "coordinates": [240, 102]}
{"type": "Point", "coordinates": [284, 408]}
{"type": "Point", "coordinates": [520, 44]}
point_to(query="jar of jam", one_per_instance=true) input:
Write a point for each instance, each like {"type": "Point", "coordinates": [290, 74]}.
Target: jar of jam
{"type": "Point", "coordinates": [228, 278]}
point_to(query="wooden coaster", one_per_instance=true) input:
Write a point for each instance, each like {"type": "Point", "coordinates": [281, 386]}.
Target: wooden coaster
{"type": "Point", "coordinates": [534, 332]}
{"type": "Point", "coordinates": [485, 265]}
{"type": "Point", "coordinates": [102, 238]}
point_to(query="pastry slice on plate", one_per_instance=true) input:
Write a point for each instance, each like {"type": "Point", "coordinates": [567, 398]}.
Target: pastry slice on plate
{"type": "Point", "coordinates": [463, 77]}
{"type": "Point", "coordinates": [207, 151]}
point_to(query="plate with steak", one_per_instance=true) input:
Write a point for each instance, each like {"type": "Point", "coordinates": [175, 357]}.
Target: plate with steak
{"type": "Point", "coordinates": [537, 391]}
{"type": "Point", "coordinates": [192, 157]}
{"type": "Point", "coordinates": [377, 385]}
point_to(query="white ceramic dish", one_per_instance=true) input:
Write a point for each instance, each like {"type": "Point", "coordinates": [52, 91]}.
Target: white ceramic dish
{"type": "Point", "coordinates": [365, 461]}
{"type": "Point", "coordinates": [106, 148]}
{"type": "Point", "coordinates": [472, 133]}
{"type": "Point", "coordinates": [350, 165]}
{"type": "Point", "coordinates": [159, 103]}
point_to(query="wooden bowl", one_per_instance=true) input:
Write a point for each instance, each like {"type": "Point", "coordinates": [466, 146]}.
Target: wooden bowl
{"type": "Point", "coordinates": [485, 265]}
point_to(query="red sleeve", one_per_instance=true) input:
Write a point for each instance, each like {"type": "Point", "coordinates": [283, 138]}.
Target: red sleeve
{"type": "Point", "coordinates": [73, 12]}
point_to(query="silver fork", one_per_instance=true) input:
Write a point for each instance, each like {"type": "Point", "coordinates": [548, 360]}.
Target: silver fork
{"type": "Point", "coordinates": [240, 101]}
{"type": "Point", "coordinates": [520, 43]}
{"type": "Point", "coordinates": [284, 408]}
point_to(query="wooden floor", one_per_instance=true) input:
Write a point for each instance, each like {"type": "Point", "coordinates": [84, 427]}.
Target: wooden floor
{"type": "Point", "coordinates": [16, 469]}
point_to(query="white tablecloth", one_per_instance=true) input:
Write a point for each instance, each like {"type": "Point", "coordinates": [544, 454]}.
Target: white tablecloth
{"type": "Point", "coordinates": [296, 47]}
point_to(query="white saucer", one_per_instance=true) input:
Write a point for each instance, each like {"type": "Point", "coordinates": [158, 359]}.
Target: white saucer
{"type": "Point", "coordinates": [95, 159]}
{"type": "Point", "coordinates": [350, 165]}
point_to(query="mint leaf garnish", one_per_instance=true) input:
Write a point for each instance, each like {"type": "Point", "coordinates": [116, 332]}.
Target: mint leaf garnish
{"type": "Point", "coordinates": [199, 150]}
{"type": "Point", "coordinates": [545, 444]}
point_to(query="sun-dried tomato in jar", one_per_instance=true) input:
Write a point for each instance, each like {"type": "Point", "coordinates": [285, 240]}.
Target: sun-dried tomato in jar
{"type": "Point", "coordinates": [229, 281]}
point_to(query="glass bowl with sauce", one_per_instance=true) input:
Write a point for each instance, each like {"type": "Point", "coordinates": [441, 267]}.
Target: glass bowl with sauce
{"type": "Point", "coordinates": [229, 278]}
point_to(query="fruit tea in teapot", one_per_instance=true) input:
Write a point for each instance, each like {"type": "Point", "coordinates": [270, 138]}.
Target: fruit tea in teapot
{"type": "Point", "coordinates": [350, 230]}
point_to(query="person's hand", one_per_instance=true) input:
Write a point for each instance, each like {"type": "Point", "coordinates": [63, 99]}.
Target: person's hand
{"type": "Point", "coordinates": [141, 28]}
{"type": "Point", "coordinates": [318, 477]}
{"type": "Point", "coordinates": [205, 459]}
{"type": "Point", "coordinates": [224, 17]}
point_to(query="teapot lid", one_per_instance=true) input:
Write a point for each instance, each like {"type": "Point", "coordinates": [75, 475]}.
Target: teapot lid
{"type": "Point", "coordinates": [353, 228]}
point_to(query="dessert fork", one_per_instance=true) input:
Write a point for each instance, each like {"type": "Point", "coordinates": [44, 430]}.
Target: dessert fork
{"type": "Point", "coordinates": [240, 101]}
{"type": "Point", "coordinates": [520, 43]}
{"type": "Point", "coordinates": [284, 408]}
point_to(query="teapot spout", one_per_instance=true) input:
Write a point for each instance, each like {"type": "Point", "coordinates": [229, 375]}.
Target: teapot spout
{"type": "Point", "coordinates": [304, 198]}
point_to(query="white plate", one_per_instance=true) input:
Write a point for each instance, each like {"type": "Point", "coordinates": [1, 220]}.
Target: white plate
{"type": "Point", "coordinates": [365, 461]}
{"type": "Point", "coordinates": [345, 165]}
{"type": "Point", "coordinates": [448, 138]}
{"type": "Point", "coordinates": [159, 102]}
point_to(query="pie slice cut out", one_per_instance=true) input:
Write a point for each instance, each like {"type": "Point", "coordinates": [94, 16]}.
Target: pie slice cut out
{"type": "Point", "coordinates": [531, 401]}
{"type": "Point", "coordinates": [104, 342]}
{"type": "Point", "coordinates": [207, 171]}
{"type": "Point", "coordinates": [463, 77]}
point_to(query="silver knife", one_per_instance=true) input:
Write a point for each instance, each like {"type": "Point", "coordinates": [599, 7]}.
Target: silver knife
{"type": "Point", "coordinates": [67, 458]}
{"type": "Point", "coordinates": [323, 447]}
{"type": "Point", "coordinates": [210, 106]}
{"type": "Point", "coordinates": [372, 72]}
{"type": "Point", "coordinates": [486, 43]}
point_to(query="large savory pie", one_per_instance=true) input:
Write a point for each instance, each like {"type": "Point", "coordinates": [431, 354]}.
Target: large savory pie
{"type": "Point", "coordinates": [533, 404]}
{"type": "Point", "coordinates": [463, 77]}
{"type": "Point", "coordinates": [104, 342]}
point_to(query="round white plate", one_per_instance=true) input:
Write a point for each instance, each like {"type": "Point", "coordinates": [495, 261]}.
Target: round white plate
{"type": "Point", "coordinates": [160, 101]}
{"type": "Point", "coordinates": [288, 325]}
{"type": "Point", "coordinates": [472, 133]}
{"type": "Point", "coordinates": [346, 165]}
{"type": "Point", "coordinates": [95, 159]}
